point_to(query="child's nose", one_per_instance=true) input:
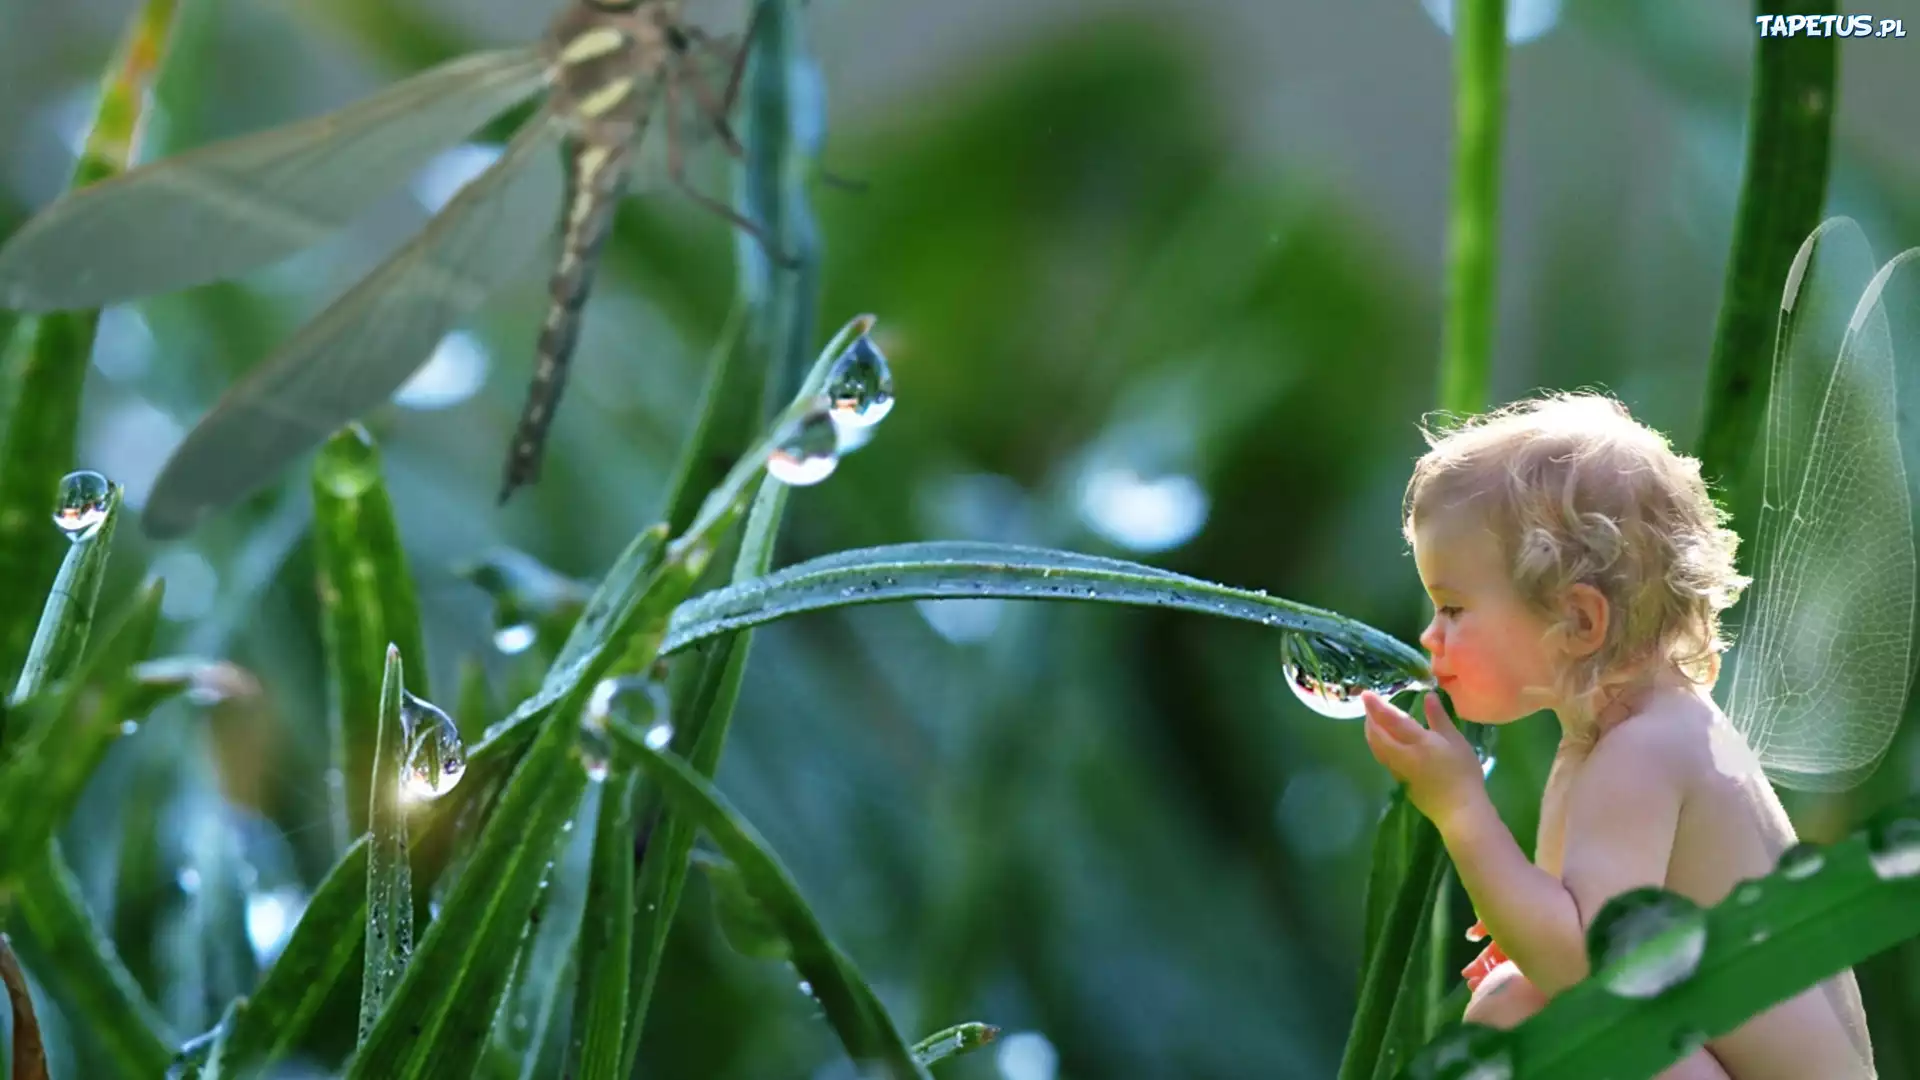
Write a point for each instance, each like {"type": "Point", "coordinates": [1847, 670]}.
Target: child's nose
{"type": "Point", "coordinates": [1430, 637]}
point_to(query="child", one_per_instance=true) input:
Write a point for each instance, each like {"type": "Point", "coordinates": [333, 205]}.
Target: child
{"type": "Point", "coordinates": [1577, 564]}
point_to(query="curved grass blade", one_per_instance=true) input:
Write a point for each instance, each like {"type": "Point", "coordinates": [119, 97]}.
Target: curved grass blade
{"type": "Point", "coordinates": [355, 354]}
{"type": "Point", "coordinates": [606, 933]}
{"type": "Point", "coordinates": [42, 783]}
{"type": "Point", "coordinates": [79, 966]}
{"type": "Point", "coordinates": [952, 1042]}
{"type": "Point", "coordinates": [367, 604]}
{"type": "Point", "coordinates": [220, 210]}
{"type": "Point", "coordinates": [1771, 939]}
{"type": "Point", "coordinates": [436, 1020]}
{"type": "Point", "coordinates": [864, 1029]}
{"type": "Point", "coordinates": [527, 1044]}
{"type": "Point", "coordinates": [389, 884]}
{"type": "Point", "coordinates": [67, 619]}
{"type": "Point", "coordinates": [944, 569]}
{"type": "Point", "coordinates": [29, 1057]}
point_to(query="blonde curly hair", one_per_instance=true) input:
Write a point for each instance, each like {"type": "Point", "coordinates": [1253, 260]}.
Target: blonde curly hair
{"type": "Point", "coordinates": [1578, 491]}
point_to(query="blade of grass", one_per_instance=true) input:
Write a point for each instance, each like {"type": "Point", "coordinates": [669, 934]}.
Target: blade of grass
{"type": "Point", "coordinates": [864, 1029]}
{"type": "Point", "coordinates": [544, 972]}
{"type": "Point", "coordinates": [952, 1042]}
{"type": "Point", "coordinates": [389, 886]}
{"type": "Point", "coordinates": [367, 602]}
{"type": "Point", "coordinates": [66, 619]}
{"type": "Point", "coordinates": [606, 934]}
{"type": "Point", "coordinates": [42, 783]}
{"type": "Point", "coordinates": [43, 365]}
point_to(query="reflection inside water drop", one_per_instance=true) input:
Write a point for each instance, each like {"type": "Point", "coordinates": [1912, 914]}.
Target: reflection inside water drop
{"type": "Point", "coordinates": [1328, 677]}
{"type": "Point", "coordinates": [1893, 848]}
{"type": "Point", "coordinates": [641, 703]}
{"type": "Point", "coordinates": [1646, 941]}
{"type": "Point", "coordinates": [860, 385]}
{"type": "Point", "coordinates": [808, 452]}
{"type": "Point", "coordinates": [436, 757]}
{"type": "Point", "coordinates": [82, 504]}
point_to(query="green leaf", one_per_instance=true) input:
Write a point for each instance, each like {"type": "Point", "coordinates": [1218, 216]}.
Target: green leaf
{"type": "Point", "coordinates": [864, 1028]}
{"type": "Point", "coordinates": [606, 934]}
{"type": "Point", "coordinates": [316, 958]}
{"type": "Point", "coordinates": [45, 359]}
{"type": "Point", "coordinates": [366, 602]}
{"type": "Point", "coordinates": [954, 1041]}
{"type": "Point", "coordinates": [1824, 910]}
{"type": "Point", "coordinates": [42, 782]}
{"type": "Point", "coordinates": [945, 569]}
{"type": "Point", "coordinates": [389, 933]}
{"type": "Point", "coordinates": [67, 619]}
{"type": "Point", "coordinates": [746, 924]}
{"type": "Point", "coordinates": [1408, 859]}
{"type": "Point", "coordinates": [1473, 223]}
{"type": "Point", "coordinates": [437, 1018]}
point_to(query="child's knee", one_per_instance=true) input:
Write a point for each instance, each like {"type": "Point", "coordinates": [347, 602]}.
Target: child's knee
{"type": "Point", "coordinates": [1504, 998]}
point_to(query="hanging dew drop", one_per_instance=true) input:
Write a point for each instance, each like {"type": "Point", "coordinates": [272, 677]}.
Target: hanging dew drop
{"type": "Point", "coordinates": [1801, 861]}
{"type": "Point", "coordinates": [808, 452]}
{"type": "Point", "coordinates": [860, 384]}
{"type": "Point", "coordinates": [1328, 678]}
{"type": "Point", "coordinates": [640, 703]}
{"type": "Point", "coordinates": [436, 757]}
{"type": "Point", "coordinates": [1893, 848]}
{"type": "Point", "coordinates": [1646, 941]}
{"type": "Point", "coordinates": [82, 504]}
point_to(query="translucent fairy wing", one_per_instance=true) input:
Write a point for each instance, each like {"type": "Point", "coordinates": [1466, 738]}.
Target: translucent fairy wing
{"type": "Point", "coordinates": [222, 209]}
{"type": "Point", "coordinates": [1824, 655]}
{"type": "Point", "coordinates": [356, 353]}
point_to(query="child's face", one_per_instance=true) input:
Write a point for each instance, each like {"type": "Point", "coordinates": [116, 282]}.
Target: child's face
{"type": "Point", "coordinates": [1488, 649]}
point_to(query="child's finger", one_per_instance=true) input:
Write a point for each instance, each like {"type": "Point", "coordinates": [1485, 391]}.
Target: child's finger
{"type": "Point", "coordinates": [1437, 717]}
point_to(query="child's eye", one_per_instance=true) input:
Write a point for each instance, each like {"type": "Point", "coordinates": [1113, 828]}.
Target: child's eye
{"type": "Point", "coordinates": [1449, 612]}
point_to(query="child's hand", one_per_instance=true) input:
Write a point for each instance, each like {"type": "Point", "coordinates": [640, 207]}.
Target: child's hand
{"type": "Point", "coordinates": [1438, 765]}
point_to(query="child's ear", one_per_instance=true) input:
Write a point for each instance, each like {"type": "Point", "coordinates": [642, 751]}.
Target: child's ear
{"type": "Point", "coordinates": [1587, 614]}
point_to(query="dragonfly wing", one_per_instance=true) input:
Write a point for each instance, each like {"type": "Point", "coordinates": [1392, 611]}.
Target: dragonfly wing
{"type": "Point", "coordinates": [1821, 674]}
{"type": "Point", "coordinates": [354, 355]}
{"type": "Point", "coordinates": [222, 209]}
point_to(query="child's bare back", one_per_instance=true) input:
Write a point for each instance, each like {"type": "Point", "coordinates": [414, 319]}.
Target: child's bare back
{"type": "Point", "coordinates": [1732, 827]}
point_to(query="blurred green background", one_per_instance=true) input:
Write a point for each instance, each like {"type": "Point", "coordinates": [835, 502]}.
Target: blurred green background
{"type": "Point", "coordinates": [1157, 280]}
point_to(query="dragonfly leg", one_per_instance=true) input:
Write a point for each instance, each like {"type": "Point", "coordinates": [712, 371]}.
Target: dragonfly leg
{"type": "Point", "coordinates": [724, 108]}
{"type": "Point", "coordinates": [677, 169]}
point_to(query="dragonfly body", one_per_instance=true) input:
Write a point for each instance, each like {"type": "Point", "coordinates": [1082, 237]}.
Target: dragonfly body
{"type": "Point", "coordinates": [219, 210]}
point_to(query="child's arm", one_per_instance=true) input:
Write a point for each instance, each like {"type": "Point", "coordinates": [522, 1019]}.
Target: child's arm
{"type": "Point", "coordinates": [1527, 910]}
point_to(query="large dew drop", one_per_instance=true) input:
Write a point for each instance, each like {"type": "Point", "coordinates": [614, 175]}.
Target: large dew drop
{"type": "Point", "coordinates": [1893, 847]}
{"type": "Point", "coordinates": [1646, 941]}
{"type": "Point", "coordinates": [1328, 677]}
{"type": "Point", "coordinates": [640, 703]}
{"type": "Point", "coordinates": [1464, 1052]}
{"type": "Point", "coordinates": [1801, 861]}
{"type": "Point", "coordinates": [436, 758]}
{"type": "Point", "coordinates": [82, 504]}
{"type": "Point", "coordinates": [808, 452]}
{"type": "Point", "coordinates": [860, 385]}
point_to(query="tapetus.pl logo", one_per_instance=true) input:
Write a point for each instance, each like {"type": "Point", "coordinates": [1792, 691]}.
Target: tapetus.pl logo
{"type": "Point", "coordinates": [1865, 26]}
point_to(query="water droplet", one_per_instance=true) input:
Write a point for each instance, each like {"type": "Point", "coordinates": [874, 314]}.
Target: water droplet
{"type": "Point", "coordinates": [640, 703]}
{"type": "Point", "coordinates": [128, 727]}
{"type": "Point", "coordinates": [1801, 861]}
{"type": "Point", "coordinates": [1464, 1051]}
{"type": "Point", "coordinates": [806, 987]}
{"type": "Point", "coordinates": [808, 452]}
{"type": "Point", "coordinates": [515, 639]}
{"type": "Point", "coordinates": [860, 385]}
{"type": "Point", "coordinates": [1748, 893]}
{"type": "Point", "coordinates": [1328, 677]}
{"type": "Point", "coordinates": [188, 879]}
{"type": "Point", "coordinates": [1893, 847]}
{"type": "Point", "coordinates": [82, 504]}
{"type": "Point", "coordinates": [1645, 941]}
{"type": "Point", "coordinates": [436, 758]}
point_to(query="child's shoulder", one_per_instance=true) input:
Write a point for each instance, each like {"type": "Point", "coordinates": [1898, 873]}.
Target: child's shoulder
{"type": "Point", "coordinates": [1682, 738]}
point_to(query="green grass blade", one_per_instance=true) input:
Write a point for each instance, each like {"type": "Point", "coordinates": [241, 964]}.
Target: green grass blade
{"type": "Point", "coordinates": [44, 362]}
{"type": "Point", "coordinates": [389, 875]}
{"type": "Point", "coordinates": [1782, 192]}
{"type": "Point", "coordinates": [366, 602]}
{"type": "Point", "coordinates": [952, 1042]}
{"type": "Point", "coordinates": [864, 1029]}
{"type": "Point", "coordinates": [316, 958]}
{"type": "Point", "coordinates": [436, 1021]}
{"type": "Point", "coordinates": [1775, 936]}
{"type": "Point", "coordinates": [942, 570]}
{"type": "Point", "coordinates": [528, 1043]}
{"type": "Point", "coordinates": [606, 934]}
{"type": "Point", "coordinates": [1407, 859]}
{"type": "Point", "coordinates": [42, 783]}
{"type": "Point", "coordinates": [79, 966]}
{"type": "Point", "coordinates": [1473, 221]}
{"type": "Point", "coordinates": [731, 406]}
{"type": "Point", "coordinates": [67, 618]}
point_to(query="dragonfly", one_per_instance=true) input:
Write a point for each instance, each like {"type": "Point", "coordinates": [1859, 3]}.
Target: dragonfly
{"type": "Point", "coordinates": [217, 211]}
{"type": "Point", "coordinates": [1824, 655]}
